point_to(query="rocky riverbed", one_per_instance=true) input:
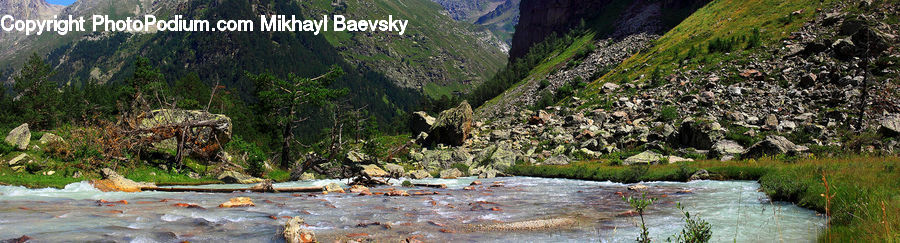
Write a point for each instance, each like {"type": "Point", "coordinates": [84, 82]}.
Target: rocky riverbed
{"type": "Point", "coordinates": [499, 209]}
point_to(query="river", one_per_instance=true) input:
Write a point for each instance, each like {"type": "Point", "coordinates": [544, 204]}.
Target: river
{"type": "Point", "coordinates": [591, 212]}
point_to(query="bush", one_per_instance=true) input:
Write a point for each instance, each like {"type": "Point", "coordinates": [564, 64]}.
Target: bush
{"type": "Point", "coordinates": [696, 230]}
{"type": "Point", "coordinates": [6, 148]}
{"type": "Point", "coordinates": [407, 184]}
{"type": "Point", "coordinates": [668, 113]}
{"type": "Point", "coordinates": [256, 158]}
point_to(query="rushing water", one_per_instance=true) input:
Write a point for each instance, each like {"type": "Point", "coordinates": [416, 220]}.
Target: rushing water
{"type": "Point", "coordinates": [735, 209]}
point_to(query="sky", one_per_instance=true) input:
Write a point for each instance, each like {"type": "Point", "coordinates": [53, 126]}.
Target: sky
{"type": "Point", "coordinates": [61, 2]}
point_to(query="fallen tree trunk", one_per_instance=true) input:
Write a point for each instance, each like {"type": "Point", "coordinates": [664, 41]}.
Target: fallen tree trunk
{"type": "Point", "coordinates": [441, 186]}
{"type": "Point", "coordinates": [230, 190]}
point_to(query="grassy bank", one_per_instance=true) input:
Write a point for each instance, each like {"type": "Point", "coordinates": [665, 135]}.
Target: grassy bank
{"type": "Point", "coordinates": [864, 204]}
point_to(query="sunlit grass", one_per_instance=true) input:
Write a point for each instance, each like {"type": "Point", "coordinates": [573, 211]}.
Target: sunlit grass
{"type": "Point", "coordinates": [859, 185]}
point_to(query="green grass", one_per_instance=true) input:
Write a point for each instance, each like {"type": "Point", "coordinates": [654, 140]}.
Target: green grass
{"type": "Point", "coordinates": [703, 39]}
{"type": "Point", "coordinates": [58, 180]}
{"type": "Point", "coordinates": [278, 175]}
{"type": "Point", "coordinates": [161, 177]}
{"type": "Point", "coordinates": [859, 186]}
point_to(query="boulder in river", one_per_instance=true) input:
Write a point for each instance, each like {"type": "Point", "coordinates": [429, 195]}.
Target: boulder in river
{"type": "Point", "coordinates": [373, 171]}
{"type": "Point", "coordinates": [294, 232]}
{"type": "Point", "coordinates": [238, 202]}
{"type": "Point", "coordinates": [19, 137]}
{"type": "Point", "coordinates": [451, 173]}
{"type": "Point", "coordinates": [333, 188]}
{"type": "Point", "coordinates": [113, 182]}
{"type": "Point", "coordinates": [235, 177]}
{"type": "Point", "coordinates": [419, 174]}
{"type": "Point", "coordinates": [395, 170]}
{"type": "Point", "coordinates": [453, 126]}
{"type": "Point", "coordinates": [397, 193]}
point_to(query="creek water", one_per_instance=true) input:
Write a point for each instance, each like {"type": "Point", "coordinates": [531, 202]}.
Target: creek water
{"type": "Point", "coordinates": [736, 210]}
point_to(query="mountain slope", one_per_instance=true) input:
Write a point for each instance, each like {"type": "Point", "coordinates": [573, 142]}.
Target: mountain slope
{"type": "Point", "coordinates": [23, 9]}
{"type": "Point", "coordinates": [499, 16]}
{"type": "Point", "coordinates": [437, 55]}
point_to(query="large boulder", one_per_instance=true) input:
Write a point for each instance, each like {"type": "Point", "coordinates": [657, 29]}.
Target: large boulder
{"type": "Point", "coordinates": [452, 173]}
{"type": "Point", "coordinates": [333, 188]}
{"type": "Point", "coordinates": [355, 157]}
{"type": "Point", "coordinates": [557, 160]}
{"type": "Point", "coordinates": [774, 145]}
{"type": "Point", "coordinates": [453, 126]}
{"type": "Point", "coordinates": [726, 150]}
{"type": "Point", "coordinates": [890, 127]}
{"type": "Point", "coordinates": [237, 202]}
{"type": "Point", "coordinates": [50, 138]}
{"type": "Point", "coordinates": [395, 170]}
{"type": "Point", "coordinates": [235, 177]}
{"type": "Point", "coordinates": [496, 157]}
{"type": "Point", "coordinates": [373, 171]}
{"type": "Point", "coordinates": [113, 182]}
{"type": "Point", "coordinates": [647, 157]}
{"type": "Point", "coordinates": [19, 137]}
{"type": "Point", "coordinates": [419, 174]}
{"type": "Point", "coordinates": [421, 122]}
{"type": "Point", "coordinates": [699, 134]}
{"type": "Point", "coordinates": [294, 232]}
{"type": "Point", "coordinates": [204, 141]}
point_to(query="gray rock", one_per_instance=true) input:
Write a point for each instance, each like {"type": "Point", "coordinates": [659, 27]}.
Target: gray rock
{"type": "Point", "coordinates": [355, 157]}
{"type": "Point", "coordinates": [724, 148]}
{"type": "Point", "coordinates": [557, 160]}
{"type": "Point", "coordinates": [647, 157]}
{"type": "Point", "coordinates": [238, 178]}
{"type": "Point", "coordinates": [453, 126]}
{"type": "Point", "coordinates": [452, 173]}
{"type": "Point", "coordinates": [50, 138]}
{"type": "Point", "coordinates": [294, 232]}
{"type": "Point", "coordinates": [19, 137]}
{"type": "Point", "coordinates": [20, 160]}
{"type": "Point", "coordinates": [773, 145]}
{"type": "Point", "coordinates": [419, 174]}
{"type": "Point", "coordinates": [373, 171]}
{"type": "Point", "coordinates": [421, 122]}
{"type": "Point", "coordinates": [890, 127]}
{"type": "Point", "coordinates": [700, 175]}
{"type": "Point", "coordinates": [676, 159]}
{"type": "Point", "coordinates": [395, 170]}
{"type": "Point", "coordinates": [700, 134]}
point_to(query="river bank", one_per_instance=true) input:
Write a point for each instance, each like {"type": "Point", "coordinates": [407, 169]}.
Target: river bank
{"type": "Point", "coordinates": [863, 204]}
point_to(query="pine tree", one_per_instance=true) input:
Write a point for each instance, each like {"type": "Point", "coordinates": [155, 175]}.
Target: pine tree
{"type": "Point", "coordinates": [37, 98]}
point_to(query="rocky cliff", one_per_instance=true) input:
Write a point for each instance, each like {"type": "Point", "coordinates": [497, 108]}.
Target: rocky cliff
{"type": "Point", "coordinates": [540, 18]}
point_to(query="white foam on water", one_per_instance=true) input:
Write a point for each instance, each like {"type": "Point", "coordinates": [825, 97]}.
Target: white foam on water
{"type": "Point", "coordinates": [142, 239]}
{"type": "Point", "coordinates": [170, 217]}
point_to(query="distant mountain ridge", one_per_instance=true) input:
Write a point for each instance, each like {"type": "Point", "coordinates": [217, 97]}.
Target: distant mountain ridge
{"type": "Point", "coordinates": [499, 16]}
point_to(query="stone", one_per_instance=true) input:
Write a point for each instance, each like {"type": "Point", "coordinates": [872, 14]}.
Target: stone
{"type": "Point", "coordinates": [194, 175]}
{"type": "Point", "coordinates": [610, 87]}
{"type": "Point", "coordinates": [113, 182]}
{"type": "Point", "coordinates": [451, 173]}
{"type": "Point", "coordinates": [19, 137]}
{"type": "Point", "coordinates": [647, 157]}
{"type": "Point", "coordinates": [19, 160]}
{"type": "Point", "coordinates": [844, 48]}
{"type": "Point", "coordinates": [359, 189]}
{"type": "Point", "coordinates": [50, 138]}
{"type": "Point", "coordinates": [373, 171]}
{"type": "Point", "coordinates": [421, 122]}
{"type": "Point", "coordinates": [808, 80]}
{"type": "Point", "coordinates": [637, 187]}
{"type": "Point", "coordinates": [397, 193]}
{"type": "Point", "coordinates": [294, 232]}
{"type": "Point", "coordinates": [724, 148]}
{"type": "Point", "coordinates": [870, 38]}
{"type": "Point", "coordinates": [557, 160]}
{"type": "Point", "coordinates": [699, 134]}
{"type": "Point", "coordinates": [773, 145]}
{"type": "Point", "coordinates": [206, 141]}
{"type": "Point", "coordinates": [307, 176]}
{"type": "Point", "coordinates": [49, 173]}
{"type": "Point", "coordinates": [771, 121]}
{"type": "Point", "coordinates": [542, 117]}
{"type": "Point", "coordinates": [333, 188]}
{"type": "Point", "coordinates": [890, 126]}
{"type": "Point", "coordinates": [234, 177]}
{"type": "Point", "coordinates": [453, 126]}
{"type": "Point", "coordinates": [355, 157]}
{"type": "Point", "coordinates": [419, 174]}
{"type": "Point", "coordinates": [700, 175]}
{"type": "Point", "coordinates": [676, 159]}
{"type": "Point", "coordinates": [236, 202]}
{"type": "Point", "coordinates": [395, 170]}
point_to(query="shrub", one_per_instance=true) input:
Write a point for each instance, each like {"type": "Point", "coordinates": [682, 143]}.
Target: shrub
{"type": "Point", "coordinates": [696, 230]}
{"type": "Point", "coordinates": [6, 148]}
{"type": "Point", "coordinates": [256, 158]}
{"type": "Point", "coordinates": [668, 113]}
{"type": "Point", "coordinates": [407, 184]}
